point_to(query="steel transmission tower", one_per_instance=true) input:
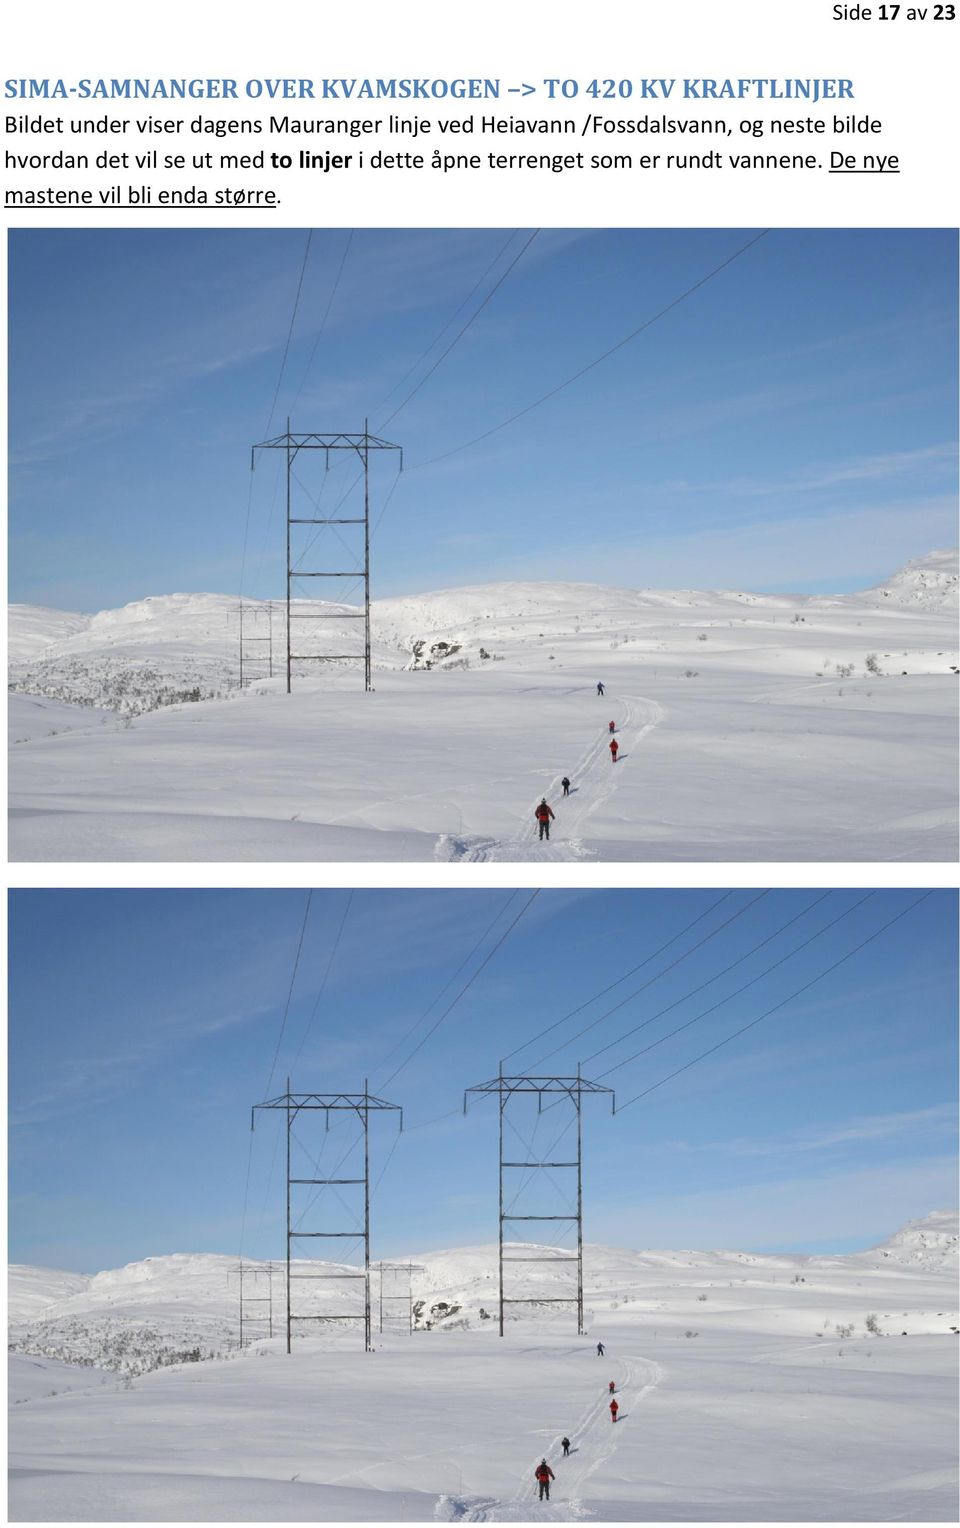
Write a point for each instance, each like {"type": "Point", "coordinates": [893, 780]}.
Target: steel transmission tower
{"type": "Point", "coordinates": [362, 1105]}
{"type": "Point", "coordinates": [255, 660]}
{"type": "Point", "coordinates": [557, 1088]}
{"type": "Point", "coordinates": [361, 445]}
{"type": "Point", "coordinates": [253, 1272]}
{"type": "Point", "coordinates": [396, 1291]}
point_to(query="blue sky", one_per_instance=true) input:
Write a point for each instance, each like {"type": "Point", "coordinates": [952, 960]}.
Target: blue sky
{"type": "Point", "coordinates": [789, 426]}
{"type": "Point", "coordinates": [136, 1054]}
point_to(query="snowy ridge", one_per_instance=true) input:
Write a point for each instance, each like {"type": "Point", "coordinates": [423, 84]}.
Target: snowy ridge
{"type": "Point", "coordinates": [31, 629]}
{"type": "Point", "coordinates": [169, 649]}
{"type": "Point", "coordinates": [932, 1242]}
{"type": "Point", "coordinates": [157, 1311]}
{"type": "Point", "coordinates": [753, 727]}
{"type": "Point", "coordinates": [932, 581]}
{"type": "Point", "coordinates": [31, 1290]}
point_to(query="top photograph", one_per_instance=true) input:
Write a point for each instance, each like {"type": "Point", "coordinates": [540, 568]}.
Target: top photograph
{"type": "Point", "coordinates": [575, 545]}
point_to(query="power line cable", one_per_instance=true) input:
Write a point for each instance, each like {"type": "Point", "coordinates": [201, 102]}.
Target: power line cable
{"type": "Point", "coordinates": [452, 319]}
{"type": "Point", "coordinates": [428, 374]}
{"type": "Point", "coordinates": [440, 1117]}
{"type": "Point", "coordinates": [568, 382]}
{"type": "Point", "coordinates": [656, 976]}
{"type": "Point", "coordinates": [449, 1009]}
{"type": "Point", "coordinates": [293, 977]}
{"type": "Point", "coordinates": [326, 315]}
{"type": "Point", "coordinates": [751, 983]}
{"type": "Point", "coordinates": [447, 985]}
{"type": "Point", "coordinates": [710, 980]}
{"type": "Point", "coordinates": [296, 963]}
{"type": "Point", "coordinates": [376, 526]}
{"type": "Point", "coordinates": [444, 1015]}
{"type": "Point", "coordinates": [246, 537]}
{"type": "Point", "coordinates": [459, 335]}
{"type": "Point", "coordinates": [464, 989]}
{"type": "Point", "coordinates": [792, 998]}
{"type": "Point", "coordinates": [325, 977]}
{"type": "Point", "coordinates": [246, 1195]}
{"type": "Point", "coordinates": [383, 1170]}
{"type": "Point", "coordinates": [276, 394]}
{"type": "Point", "coordinates": [273, 1163]}
{"type": "Point", "coordinates": [633, 970]}
{"type": "Point", "coordinates": [293, 319]}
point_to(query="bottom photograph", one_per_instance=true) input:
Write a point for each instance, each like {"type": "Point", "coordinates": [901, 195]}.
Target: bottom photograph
{"type": "Point", "coordinates": [483, 1205]}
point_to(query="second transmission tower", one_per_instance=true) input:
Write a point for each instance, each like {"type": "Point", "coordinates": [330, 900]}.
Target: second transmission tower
{"type": "Point", "coordinates": [557, 1089]}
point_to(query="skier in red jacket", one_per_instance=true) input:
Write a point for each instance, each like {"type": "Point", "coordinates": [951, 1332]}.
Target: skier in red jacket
{"type": "Point", "coordinates": [614, 1408]}
{"type": "Point", "coordinates": [612, 726]}
{"type": "Point", "coordinates": [544, 1475]}
{"type": "Point", "coordinates": [543, 815]}
{"type": "Point", "coordinates": [614, 750]}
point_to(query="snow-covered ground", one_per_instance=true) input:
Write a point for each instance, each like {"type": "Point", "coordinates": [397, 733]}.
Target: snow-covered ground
{"type": "Point", "coordinates": [751, 1387]}
{"type": "Point", "coordinates": [751, 727]}
{"type": "Point", "coordinates": [34, 716]}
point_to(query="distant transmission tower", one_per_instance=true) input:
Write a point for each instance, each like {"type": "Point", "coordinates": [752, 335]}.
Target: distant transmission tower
{"type": "Point", "coordinates": [396, 1294]}
{"type": "Point", "coordinates": [254, 660]}
{"type": "Point", "coordinates": [362, 1105]}
{"type": "Point", "coordinates": [361, 445]}
{"type": "Point", "coordinates": [572, 1088]}
{"type": "Point", "coordinates": [256, 1273]}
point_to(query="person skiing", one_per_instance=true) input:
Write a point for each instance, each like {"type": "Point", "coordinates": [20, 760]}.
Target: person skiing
{"type": "Point", "coordinates": [612, 1386]}
{"type": "Point", "coordinates": [565, 1445]}
{"type": "Point", "coordinates": [566, 785]}
{"type": "Point", "coordinates": [614, 1408]}
{"type": "Point", "coordinates": [612, 726]}
{"type": "Point", "coordinates": [544, 1475]}
{"type": "Point", "coordinates": [543, 815]}
{"type": "Point", "coordinates": [614, 750]}
{"type": "Point", "coordinates": [599, 1349]}
{"type": "Point", "coordinates": [600, 687]}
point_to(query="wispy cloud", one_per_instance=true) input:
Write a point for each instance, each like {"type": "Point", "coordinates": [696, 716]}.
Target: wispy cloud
{"type": "Point", "coordinates": [870, 1204]}
{"type": "Point", "coordinates": [904, 1127]}
{"type": "Point", "coordinates": [848, 547]}
{"type": "Point", "coordinates": [861, 469]}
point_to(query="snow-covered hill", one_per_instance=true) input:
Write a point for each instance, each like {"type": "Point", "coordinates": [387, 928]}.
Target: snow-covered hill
{"type": "Point", "coordinates": [932, 581]}
{"type": "Point", "coordinates": [31, 1290]}
{"type": "Point", "coordinates": [928, 1243]}
{"type": "Point", "coordinates": [152, 1312]}
{"type": "Point", "coordinates": [751, 1388]}
{"type": "Point", "coordinates": [170, 648]}
{"type": "Point", "coordinates": [750, 726]}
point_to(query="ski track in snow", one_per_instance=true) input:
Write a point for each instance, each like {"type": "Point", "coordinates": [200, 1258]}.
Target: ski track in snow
{"type": "Point", "coordinates": [594, 1439]}
{"type": "Point", "coordinates": [594, 779]}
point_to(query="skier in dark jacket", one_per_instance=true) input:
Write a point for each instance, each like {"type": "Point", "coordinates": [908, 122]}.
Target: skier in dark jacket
{"type": "Point", "coordinates": [600, 687]}
{"type": "Point", "coordinates": [544, 1475]}
{"type": "Point", "coordinates": [599, 1349]}
{"type": "Point", "coordinates": [565, 1445]}
{"type": "Point", "coordinates": [566, 785]}
{"type": "Point", "coordinates": [543, 815]}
